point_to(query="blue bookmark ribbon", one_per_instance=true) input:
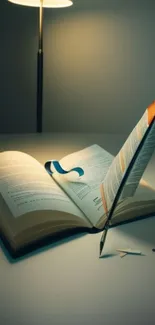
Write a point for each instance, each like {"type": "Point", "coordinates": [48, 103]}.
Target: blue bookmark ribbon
{"type": "Point", "coordinates": [60, 170]}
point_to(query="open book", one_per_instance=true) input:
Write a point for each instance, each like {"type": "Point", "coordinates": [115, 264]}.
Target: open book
{"type": "Point", "coordinates": [35, 206]}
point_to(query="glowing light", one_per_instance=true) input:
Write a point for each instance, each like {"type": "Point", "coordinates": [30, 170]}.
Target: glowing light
{"type": "Point", "coordinates": [46, 3]}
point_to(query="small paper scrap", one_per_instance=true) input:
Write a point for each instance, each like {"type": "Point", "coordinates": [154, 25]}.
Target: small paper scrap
{"type": "Point", "coordinates": [125, 251]}
{"type": "Point", "coordinates": [122, 254]}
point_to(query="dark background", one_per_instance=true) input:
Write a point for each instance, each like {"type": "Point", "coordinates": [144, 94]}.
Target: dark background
{"type": "Point", "coordinates": [99, 66]}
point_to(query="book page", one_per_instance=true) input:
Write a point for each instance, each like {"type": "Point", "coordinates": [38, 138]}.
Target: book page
{"type": "Point", "coordinates": [142, 203]}
{"type": "Point", "coordinates": [121, 162]}
{"type": "Point", "coordinates": [26, 187]}
{"type": "Point", "coordinates": [85, 190]}
{"type": "Point", "coordinates": [144, 193]}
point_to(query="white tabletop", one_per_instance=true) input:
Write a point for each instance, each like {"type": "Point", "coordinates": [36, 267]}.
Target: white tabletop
{"type": "Point", "coordinates": [66, 283]}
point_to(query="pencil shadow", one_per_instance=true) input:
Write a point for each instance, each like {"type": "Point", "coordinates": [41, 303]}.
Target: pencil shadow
{"type": "Point", "coordinates": [105, 256]}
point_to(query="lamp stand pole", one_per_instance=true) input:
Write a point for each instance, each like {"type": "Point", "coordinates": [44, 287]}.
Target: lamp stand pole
{"type": "Point", "coordinates": [40, 70]}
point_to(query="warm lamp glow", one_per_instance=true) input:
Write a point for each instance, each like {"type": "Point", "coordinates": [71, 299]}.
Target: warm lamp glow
{"type": "Point", "coordinates": [46, 3]}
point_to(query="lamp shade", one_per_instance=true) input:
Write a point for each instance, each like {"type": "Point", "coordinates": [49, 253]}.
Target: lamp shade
{"type": "Point", "coordinates": [45, 3]}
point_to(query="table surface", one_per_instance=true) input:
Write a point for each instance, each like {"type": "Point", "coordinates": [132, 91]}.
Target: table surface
{"type": "Point", "coordinates": [66, 283]}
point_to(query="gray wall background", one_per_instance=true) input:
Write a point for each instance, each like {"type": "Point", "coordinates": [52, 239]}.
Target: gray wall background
{"type": "Point", "coordinates": [99, 66]}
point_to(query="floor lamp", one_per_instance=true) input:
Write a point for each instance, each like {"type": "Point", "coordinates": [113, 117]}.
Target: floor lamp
{"type": "Point", "coordinates": [41, 4]}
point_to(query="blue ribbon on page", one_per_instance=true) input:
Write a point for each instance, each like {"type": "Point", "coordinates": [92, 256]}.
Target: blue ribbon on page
{"type": "Point", "coordinates": [60, 170]}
